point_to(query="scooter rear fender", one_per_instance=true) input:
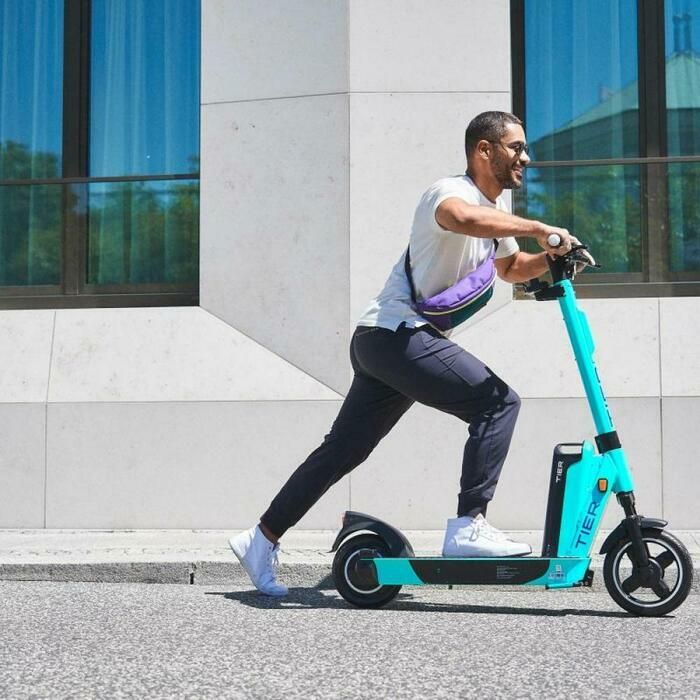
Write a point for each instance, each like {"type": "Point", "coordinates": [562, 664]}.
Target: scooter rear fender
{"type": "Point", "coordinates": [356, 522]}
{"type": "Point", "coordinates": [620, 532]}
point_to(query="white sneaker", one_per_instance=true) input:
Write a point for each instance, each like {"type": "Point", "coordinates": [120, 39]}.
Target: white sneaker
{"type": "Point", "coordinates": [258, 556]}
{"type": "Point", "coordinates": [474, 537]}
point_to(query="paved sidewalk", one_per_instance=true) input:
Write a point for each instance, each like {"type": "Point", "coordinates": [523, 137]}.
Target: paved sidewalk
{"type": "Point", "coordinates": [201, 556]}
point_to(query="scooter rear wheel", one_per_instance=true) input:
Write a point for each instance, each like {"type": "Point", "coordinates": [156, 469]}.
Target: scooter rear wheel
{"type": "Point", "coordinates": [355, 579]}
{"type": "Point", "coordinates": [656, 590]}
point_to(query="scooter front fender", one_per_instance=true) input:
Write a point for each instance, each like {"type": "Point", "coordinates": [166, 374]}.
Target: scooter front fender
{"type": "Point", "coordinates": [620, 532]}
{"type": "Point", "coordinates": [356, 522]}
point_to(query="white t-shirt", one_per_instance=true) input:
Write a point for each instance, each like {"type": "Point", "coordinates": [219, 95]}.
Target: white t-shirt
{"type": "Point", "coordinates": [439, 258]}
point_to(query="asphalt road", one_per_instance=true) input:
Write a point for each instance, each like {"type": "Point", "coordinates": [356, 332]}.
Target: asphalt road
{"type": "Point", "coordinates": [60, 640]}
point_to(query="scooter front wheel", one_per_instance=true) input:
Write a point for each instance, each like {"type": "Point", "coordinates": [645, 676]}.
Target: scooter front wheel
{"type": "Point", "coordinates": [654, 590]}
{"type": "Point", "coordinates": [355, 577]}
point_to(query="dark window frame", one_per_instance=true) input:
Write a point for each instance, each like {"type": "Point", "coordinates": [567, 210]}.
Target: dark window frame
{"type": "Point", "coordinates": [656, 279]}
{"type": "Point", "coordinates": [74, 291]}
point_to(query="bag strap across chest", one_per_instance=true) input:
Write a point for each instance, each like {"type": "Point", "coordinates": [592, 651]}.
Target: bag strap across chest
{"type": "Point", "coordinates": [407, 268]}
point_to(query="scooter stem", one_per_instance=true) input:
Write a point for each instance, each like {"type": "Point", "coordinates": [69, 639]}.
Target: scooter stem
{"type": "Point", "coordinates": [584, 346]}
{"type": "Point", "coordinates": [581, 339]}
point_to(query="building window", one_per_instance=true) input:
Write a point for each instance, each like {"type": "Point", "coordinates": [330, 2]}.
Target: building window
{"type": "Point", "coordinates": [99, 153]}
{"type": "Point", "coordinates": [31, 90]}
{"type": "Point", "coordinates": [608, 90]}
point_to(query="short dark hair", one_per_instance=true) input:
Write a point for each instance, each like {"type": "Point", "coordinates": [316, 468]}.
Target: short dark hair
{"type": "Point", "coordinates": [489, 126]}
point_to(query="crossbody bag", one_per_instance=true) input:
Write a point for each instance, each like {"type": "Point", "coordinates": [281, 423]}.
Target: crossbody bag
{"type": "Point", "coordinates": [457, 303]}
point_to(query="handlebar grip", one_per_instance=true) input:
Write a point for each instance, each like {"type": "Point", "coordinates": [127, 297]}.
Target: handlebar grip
{"type": "Point", "coordinates": [554, 239]}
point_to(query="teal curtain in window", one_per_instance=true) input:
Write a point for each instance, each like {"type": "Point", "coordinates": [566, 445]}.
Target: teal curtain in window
{"type": "Point", "coordinates": [144, 92]}
{"type": "Point", "coordinates": [31, 92]}
{"type": "Point", "coordinates": [599, 204]}
{"type": "Point", "coordinates": [144, 120]}
{"type": "Point", "coordinates": [682, 19]}
{"type": "Point", "coordinates": [581, 79]}
{"type": "Point", "coordinates": [143, 232]}
{"type": "Point", "coordinates": [581, 94]}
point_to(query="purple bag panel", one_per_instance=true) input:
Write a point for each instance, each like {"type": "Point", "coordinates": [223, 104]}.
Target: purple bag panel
{"type": "Point", "coordinates": [457, 303]}
{"type": "Point", "coordinates": [464, 291]}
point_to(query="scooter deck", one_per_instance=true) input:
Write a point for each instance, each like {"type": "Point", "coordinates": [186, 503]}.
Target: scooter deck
{"type": "Point", "coordinates": [554, 572]}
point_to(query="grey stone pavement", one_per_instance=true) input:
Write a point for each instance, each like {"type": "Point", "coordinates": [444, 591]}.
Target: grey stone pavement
{"type": "Point", "coordinates": [130, 640]}
{"type": "Point", "coordinates": [202, 556]}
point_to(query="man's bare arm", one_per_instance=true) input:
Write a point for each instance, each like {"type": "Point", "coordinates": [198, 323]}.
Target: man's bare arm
{"type": "Point", "coordinates": [454, 214]}
{"type": "Point", "coordinates": [521, 266]}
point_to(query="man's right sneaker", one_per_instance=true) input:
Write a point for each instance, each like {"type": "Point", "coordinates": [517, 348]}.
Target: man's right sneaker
{"type": "Point", "coordinates": [474, 537]}
{"type": "Point", "coordinates": [258, 556]}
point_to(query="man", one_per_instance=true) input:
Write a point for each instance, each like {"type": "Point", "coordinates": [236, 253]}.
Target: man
{"type": "Point", "coordinates": [399, 358]}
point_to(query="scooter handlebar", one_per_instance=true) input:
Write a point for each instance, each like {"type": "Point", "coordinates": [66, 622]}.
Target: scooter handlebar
{"type": "Point", "coordinates": [564, 266]}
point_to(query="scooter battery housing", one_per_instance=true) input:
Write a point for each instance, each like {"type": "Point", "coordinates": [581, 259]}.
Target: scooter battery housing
{"type": "Point", "coordinates": [565, 456]}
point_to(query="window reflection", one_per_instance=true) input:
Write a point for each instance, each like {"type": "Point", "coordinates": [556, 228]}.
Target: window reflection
{"type": "Point", "coordinates": [30, 235]}
{"type": "Point", "coordinates": [683, 76]}
{"type": "Point", "coordinates": [684, 216]}
{"type": "Point", "coordinates": [31, 88]}
{"type": "Point", "coordinates": [144, 90]}
{"type": "Point", "coordinates": [143, 232]}
{"type": "Point", "coordinates": [682, 20]}
{"type": "Point", "coordinates": [581, 83]}
{"type": "Point", "coordinates": [600, 205]}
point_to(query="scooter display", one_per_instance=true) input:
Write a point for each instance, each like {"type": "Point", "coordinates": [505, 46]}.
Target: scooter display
{"type": "Point", "coordinates": [646, 570]}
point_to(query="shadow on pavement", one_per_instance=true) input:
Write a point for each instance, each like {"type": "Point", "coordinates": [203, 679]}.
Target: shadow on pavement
{"type": "Point", "coordinates": [312, 598]}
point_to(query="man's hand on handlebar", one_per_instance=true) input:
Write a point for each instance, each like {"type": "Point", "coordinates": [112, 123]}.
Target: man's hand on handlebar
{"type": "Point", "coordinates": [559, 242]}
{"type": "Point", "coordinates": [549, 234]}
{"type": "Point", "coordinates": [579, 254]}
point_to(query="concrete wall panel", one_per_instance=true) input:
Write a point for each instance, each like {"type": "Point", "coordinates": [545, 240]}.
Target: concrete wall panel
{"type": "Point", "coordinates": [521, 499]}
{"type": "Point", "coordinates": [253, 50]}
{"type": "Point", "coordinates": [181, 465]}
{"type": "Point", "coordinates": [527, 345]}
{"type": "Point", "coordinates": [399, 145]}
{"type": "Point", "coordinates": [25, 351]}
{"type": "Point", "coordinates": [22, 464]}
{"type": "Point", "coordinates": [274, 229]}
{"type": "Point", "coordinates": [680, 343]}
{"type": "Point", "coordinates": [167, 354]}
{"type": "Point", "coordinates": [412, 478]}
{"type": "Point", "coordinates": [183, 418]}
{"type": "Point", "coordinates": [681, 417]}
{"type": "Point", "coordinates": [423, 46]}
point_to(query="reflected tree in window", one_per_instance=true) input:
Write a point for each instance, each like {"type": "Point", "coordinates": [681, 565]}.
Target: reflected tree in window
{"type": "Point", "coordinates": [143, 232]}
{"type": "Point", "coordinates": [30, 218]}
{"type": "Point", "coordinates": [682, 20]}
{"type": "Point", "coordinates": [599, 205]}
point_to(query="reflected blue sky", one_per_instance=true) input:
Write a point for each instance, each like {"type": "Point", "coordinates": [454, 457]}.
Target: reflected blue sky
{"type": "Point", "coordinates": [31, 73]}
{"type": "Point", "coordinates": [145, 73]}
{"type": "Point", "coordinates": [570, 63]}
{"type": "Point", "coordinates": [144, 92]}
{"type": "Point", "coordinates": [579, 52]}
{"type": "Point", "coordinates": [679, 8]}
{"type": "Point", "coordinates": [144, 103]}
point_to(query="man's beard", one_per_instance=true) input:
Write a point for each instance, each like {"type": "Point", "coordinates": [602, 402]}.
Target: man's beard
{"type": "Point", "coordinates": [503, 172]}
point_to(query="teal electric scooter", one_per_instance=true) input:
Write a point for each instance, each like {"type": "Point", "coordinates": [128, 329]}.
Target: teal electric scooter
{"type": "Point", "coordinates": [647, 571]}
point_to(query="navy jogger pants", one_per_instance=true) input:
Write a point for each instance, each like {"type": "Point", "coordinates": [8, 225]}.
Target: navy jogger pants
{"type": "Point", "coordinates": [392, 370]}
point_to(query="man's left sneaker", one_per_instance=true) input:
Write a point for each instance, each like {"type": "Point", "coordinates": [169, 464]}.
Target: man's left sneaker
{"type": "Point", "coordinates": [474, 537]}
{"type": "Point", "coordinates": [258, 556]}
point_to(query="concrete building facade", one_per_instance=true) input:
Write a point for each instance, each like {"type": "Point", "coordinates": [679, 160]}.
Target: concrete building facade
{"type": "Point", "coordinates": [322, 121]}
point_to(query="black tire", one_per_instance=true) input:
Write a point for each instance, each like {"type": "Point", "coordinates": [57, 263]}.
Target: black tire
{"type": "Point", "coordinates": [357, 584]}
{"type": "Point", "coordinates": [659, 590]}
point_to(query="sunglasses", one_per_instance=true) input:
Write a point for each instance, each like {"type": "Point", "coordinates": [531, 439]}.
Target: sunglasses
{"type": "Point", "coordinates": [518, 147]}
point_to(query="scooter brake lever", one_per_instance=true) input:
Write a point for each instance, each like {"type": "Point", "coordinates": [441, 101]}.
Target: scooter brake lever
{"type": "Point", "coordinates": [577, 255]}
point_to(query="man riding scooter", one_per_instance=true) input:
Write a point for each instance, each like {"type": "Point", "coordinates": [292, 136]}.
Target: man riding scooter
{"type": "Point", "coordinates": [461, 231]}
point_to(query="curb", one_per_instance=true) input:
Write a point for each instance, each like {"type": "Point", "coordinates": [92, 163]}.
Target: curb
{"type": "Point", "coordinates": [217, 573]}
